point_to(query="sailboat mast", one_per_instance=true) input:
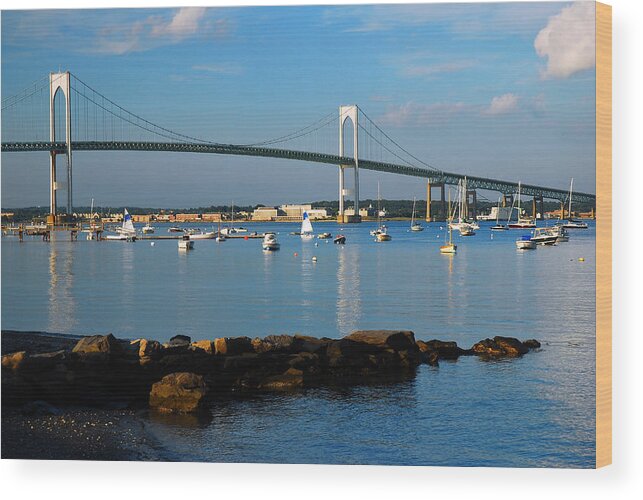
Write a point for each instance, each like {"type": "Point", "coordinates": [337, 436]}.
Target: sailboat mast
{"type": "Point", "coordinates": [571, 186]}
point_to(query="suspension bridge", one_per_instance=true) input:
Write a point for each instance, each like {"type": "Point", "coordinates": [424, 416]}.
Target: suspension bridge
{"type": "Point", "coordinates": [61, 114]}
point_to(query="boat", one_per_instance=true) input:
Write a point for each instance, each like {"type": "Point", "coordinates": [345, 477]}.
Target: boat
{"type": "Point", "coordinates": [147, 229]}
{"type": "Point", "coordinates": [126, 232]}
{"type": "Point", "coordinates": [175, 229]}
{"type": "Point", "coordinates": [523, 222]}
{"type": "Point", "coordinates": [203, 236]}
{"type": "Point", "coordinates": [415, 226]}
{"type": "Point", "coordinates": [324, 236]}
{"type": "Point", "coordinates": [306, 227]}
{"type": "Point", "coordinates": [381, 233]}
{"type": "Point", "coordinates": [572, 223]}
{"type": "Point", "coordinates": [525, 243]}
{"type": "Point", "coordinates": [269, 242]}
{"type": "Point", "coordinates": [561, 233]}
{"type": "Point", "coordinates": [227, 231]}
{"type": "Point", "coordinates": [449, 247]}
{"type": "Point", "coordinates": [185, 243]}
{"type": "Point", "coordinates": [544, 236]}
{"type": "Point", "coordinates": [498, 226]}
{"type": "Point", "coordinates": [466, 227]}
{"type": "Point", "coordinates": [340, 239]}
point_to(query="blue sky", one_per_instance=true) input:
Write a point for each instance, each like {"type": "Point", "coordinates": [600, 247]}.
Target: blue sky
{"type": "Point", "coordinates": [495, 90]}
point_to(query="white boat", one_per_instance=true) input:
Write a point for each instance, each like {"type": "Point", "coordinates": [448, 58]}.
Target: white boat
{"type": "Point", "coordinates": [466, 227]}
{"type": "Point", "coordinates": [269, 242]}
{"type": "Point", "coordinates": [523, 222]}
{"type": "Point", "coordinates": [226, 231]}
{"type": "Point", "coordinates": [126, 232]}
{"type": "Point", "coordinates": [147, 229]}
{"type": "Point", "coordinates": [561, 233]}
{"type": "Point", "coordinates": [572, 223]}
{"type": "Point", "coordinates": [186, 243]}
{"type": "Point", "coordinates": [525, 243]}
{"type": "Point", "coordinates": [306, 228]}
{"type": "Point", "coordinates": [381, 233]}
{"type": "Point", "coordinates": [175, 229]}
{"type": "Point", "coordinates": [203, 236]}
{"type": "Point", "coordinates": [545, 236]}
{"type": "Point", "coordinates": [415, 226]}
{"type": "Point", "coordinates": [324, 236]}
{"type": "Point", "coordinates": [449, 247]}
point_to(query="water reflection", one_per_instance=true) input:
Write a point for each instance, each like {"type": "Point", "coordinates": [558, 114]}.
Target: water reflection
{"type": "Point", "coordinates": [349, 302]}
{"type": "Point", "coordinates": [62, 305]}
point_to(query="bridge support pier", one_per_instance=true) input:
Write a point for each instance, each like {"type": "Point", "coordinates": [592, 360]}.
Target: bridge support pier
{"type": "Point", "coordinates": [60, 82]}
{"type": "Point", "coordinates": [345, 112]}
{"type": "Point", "coordinates": [442, 214]}
{"type": "Point", "coordinates": [472, 204]}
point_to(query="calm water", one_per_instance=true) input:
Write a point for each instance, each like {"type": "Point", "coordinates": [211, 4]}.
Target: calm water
{"type": "Point", "coordinates": [535, 411]}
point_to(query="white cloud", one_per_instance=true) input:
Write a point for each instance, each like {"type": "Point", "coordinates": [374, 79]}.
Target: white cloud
{"type": "Point", "coordinates": [568, 41]}
{"type": "Point", "coordinates": [414, 114]}
{"type": "Point", "coordinates": [184, 23]}
{"type": "Point", "coordinates": [220, 68]}
{"type": "Point", "coordinates": [502, 104]}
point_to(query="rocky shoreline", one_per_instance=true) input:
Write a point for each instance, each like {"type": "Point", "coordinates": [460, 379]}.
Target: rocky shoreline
{"type": "Point", "coordinates": [61, 394]}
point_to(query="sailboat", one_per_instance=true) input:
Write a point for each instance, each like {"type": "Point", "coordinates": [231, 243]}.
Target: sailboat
{"type": "Point", "coordinates": [381, 233]}
{"type": "Point", "coordinates": [498, 226]}
{"type": "Point", "coordinates": [306, 227]}
{"type": "Point", "coordinates": [231, 229]}
{"type": "Point", "coordinates": [92, 231]}
{"type": "Point", "coordinates": [523, 222]}
{"type": "Point", "coordinates": [450, 247]}
{"type": "Point", "coordinates": [572, 223]}
{"type": "Point", "coordinates": [147, 228]}
{"type": "Point", "coordinates": [465, 227]}
{"type": "Point", "coordinates": [126, 232]}
{"type": "Point", "coordinates": [415, 226]}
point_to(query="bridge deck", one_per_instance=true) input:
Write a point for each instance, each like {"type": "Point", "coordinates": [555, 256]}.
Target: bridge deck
{"type": "Point", "coordinates": [435, 176]}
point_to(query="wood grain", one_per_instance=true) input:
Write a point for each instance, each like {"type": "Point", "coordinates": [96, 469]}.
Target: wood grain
{"type": "Point", "coordinates": [603, 235]}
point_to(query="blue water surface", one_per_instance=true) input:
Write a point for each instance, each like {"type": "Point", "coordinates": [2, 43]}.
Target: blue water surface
{"type": "Point", "coordinates": [533, 411]}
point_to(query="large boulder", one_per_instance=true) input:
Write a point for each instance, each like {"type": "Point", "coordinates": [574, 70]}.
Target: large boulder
{"type": "Point", "coordinates": [14, 361]}
{"type": "Point", "coordinates": [433, 350]}
{"type": "Point", "coordinates": [232, 346]}
{"type": "Point", "coordinates": [304, 343]}
{"type": "Point", "coordinates": [531, 344]}
{"type": "Point", "coordinates": [103, 344]}
{"type": "Point", "coordinates": [206, 346]}
{"type": "Point", "coordinates": [181, 392]}
{"type": "Point", "coordinates": [148, 351]}
{"type": "Point", "coordinates": [398, 340]}
{"type": "Point", "coordinates": [499, 347]}
{"type": "Point", "coordinates": [291, 379]}
{"type": "Point", "coordinates": [179, 341]}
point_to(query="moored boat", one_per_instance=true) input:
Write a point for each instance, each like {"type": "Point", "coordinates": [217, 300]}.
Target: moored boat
{"type": "Point", "coordinates": [544, 236]}
{"type": "Point", "coordinates": [525, 243]}
{"type": "Point", "coordinates": [185, 243]}
{"type": "Point", "coordinates": [306, 228]}
{"type": "Point", "coordinates": [269, 242]}
{"type": "Point", "coordinates": [324, 236]}
{"type": "Point", "coordinates": [340, 239]}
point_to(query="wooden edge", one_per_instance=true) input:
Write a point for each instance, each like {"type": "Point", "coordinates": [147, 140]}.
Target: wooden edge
{"type": "Point", "coordinates": [603, 234]}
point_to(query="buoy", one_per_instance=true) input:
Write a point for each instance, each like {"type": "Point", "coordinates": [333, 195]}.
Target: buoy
{"type": "Point", "coordinates": [245, 237]}
{"type": "Point", "coordinates": [316, 244]}
{"type": "Point", "coordinates": [581, 259]}
{"type": "Point", "coordinates": [151, 243]}
{"type": "Point", "coordinates": [295, 254]}
{"type": "Point", "coordinates": [314, 259]}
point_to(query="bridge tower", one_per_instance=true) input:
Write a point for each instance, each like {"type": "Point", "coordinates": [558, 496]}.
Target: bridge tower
{"type": "Point", "coordinates": [59, 82]}
{"type": "Point", "coordinates": [345, 112]}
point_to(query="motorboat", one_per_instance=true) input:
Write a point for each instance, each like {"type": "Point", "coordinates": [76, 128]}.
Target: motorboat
{"type": "Point", "coordinates": [203, 236]}
{"type": "Point", "coordinates": [545, 236]}
{"type": "Point", "coordinates": [561, 233]}
{"type": "Point", "coordinates": [324, 236]}
{"type": "Point", "coordinates": [499, 227]}
{"type": "Point", "coordinates": [306, 227]}
{"type": "Point", "coordinates": [466, 229]}
{"type": "Point", "coordinates": [185, 243]}
{"type": "Point", "coordinates": [340, 239]}
{"type": "Point", "coordinates": [525, 243]}
{"type": "Point", "coordinates": [147, 229]}
{"type": "Point", "coordinates": [383, 235]}
{"type": "Point", "coordinates": [269, 242]}
{"type": "Point", "coordinates": [175, 229]}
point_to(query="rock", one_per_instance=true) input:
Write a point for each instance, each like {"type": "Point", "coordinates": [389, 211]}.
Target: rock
{"type": "Point", "coordinates": [181, 392]}
{"type": "Point", "coordinates": [276, 343]}
{"type": "Point", "coordinates": [14, 361]}
{"type": "Point", "coordinates": [500, 347]}
{"type": "Point", "coordinates": [40, 409]}
{"type": "Point", "coordinates": [232, 346]}
{"type": "Point", "coordinates": [290, 380]}
{"type": "Point", "coordinates": [179, 341]}
{"type": "Point", "coordinates": [531, 344]}
{"type": "Point", "coordinates": [204, 345]}
{"type": "Point", "coordinates": [106, 344]}
{"type": "Point", "coordinates": [304, 343]}
{"type": "Point", "coordinates": [398, 340]}
{"type": "Point", "coordinates": [44, 361]}
{"type": "Point", "coordinates": [148, 350]}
